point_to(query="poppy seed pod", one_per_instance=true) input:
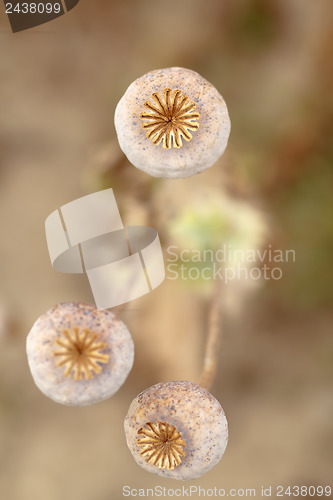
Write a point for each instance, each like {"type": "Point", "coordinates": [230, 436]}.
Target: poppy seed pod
{"type": "Point", "coordinates": [79, 355]}
{"type": "Point", "coordinates": [172, 123]}
{"type": "Point", "coordinates": [176, 430]}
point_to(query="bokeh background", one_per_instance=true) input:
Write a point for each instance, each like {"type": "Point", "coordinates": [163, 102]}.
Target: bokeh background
{"type": "Point", "coordinates": [59, 85]}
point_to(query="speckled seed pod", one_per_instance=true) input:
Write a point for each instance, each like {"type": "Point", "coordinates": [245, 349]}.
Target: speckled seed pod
{"type": "Point", "coordinates": [176, 430]}
{"type": "Point", "coordinates": [172, 123]}
{"type": "Point", "coordinates": [79, 355]}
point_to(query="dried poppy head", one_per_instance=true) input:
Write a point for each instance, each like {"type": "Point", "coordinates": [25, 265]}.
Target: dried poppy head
{"type": "Point", "coordinates": [176, 430]}
{"type": "Point", "coordinates": [172, 123]}
{"type": "Point", "coordinates": [79, 355]}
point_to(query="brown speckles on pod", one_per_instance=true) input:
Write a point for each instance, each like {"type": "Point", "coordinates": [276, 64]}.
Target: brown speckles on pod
{"type": "Point", "coordinates": [161, 444]}
{"type": "Point", "coordinates": [181, 420]}
{"type": "Point", "coordinates": [178, 109]}
{"type": "Point", "coordinates": [80, 353]}
{"type": "Point", "coordinates": [169, 118]}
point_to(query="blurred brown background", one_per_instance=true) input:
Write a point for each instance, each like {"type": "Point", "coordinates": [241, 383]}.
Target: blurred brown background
{"type": "Point", "coordinates": [59, 85]}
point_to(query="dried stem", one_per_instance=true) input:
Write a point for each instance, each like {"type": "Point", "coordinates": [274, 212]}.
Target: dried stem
{"type": "Point", "coordinates": [213, 336]}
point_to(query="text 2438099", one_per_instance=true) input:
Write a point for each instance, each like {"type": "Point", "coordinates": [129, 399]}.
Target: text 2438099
{"type": "Point", "coordinates": [33, 8]}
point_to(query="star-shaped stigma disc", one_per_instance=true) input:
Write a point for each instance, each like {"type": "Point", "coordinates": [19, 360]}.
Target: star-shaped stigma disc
{"type": "Point", "coordinates": [169, 118]}
{"type": "Point", "coordinates": [161, 444]}
{"type": "Point", "coordinates": [80, 353]}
